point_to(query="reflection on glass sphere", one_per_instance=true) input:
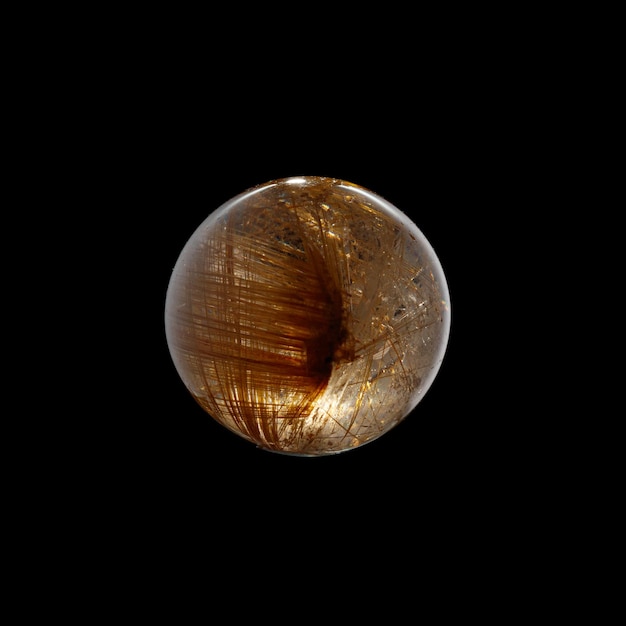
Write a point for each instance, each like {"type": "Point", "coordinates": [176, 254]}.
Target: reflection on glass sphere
{"type": "Point", "coordinates": [307, 315]}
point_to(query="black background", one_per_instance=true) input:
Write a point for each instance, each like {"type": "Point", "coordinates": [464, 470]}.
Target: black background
{"type": "Point", "coordinates": [138, 126]}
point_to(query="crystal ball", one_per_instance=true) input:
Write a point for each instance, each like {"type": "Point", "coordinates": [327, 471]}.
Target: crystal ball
{"type": "Point", "coordinates": [307, 315]}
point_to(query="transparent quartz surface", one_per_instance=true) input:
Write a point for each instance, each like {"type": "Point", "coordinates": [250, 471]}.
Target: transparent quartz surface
{"type": "Point", "coordinates": [307, 315]}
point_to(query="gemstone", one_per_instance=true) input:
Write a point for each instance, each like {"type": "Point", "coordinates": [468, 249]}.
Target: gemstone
{"type": "Point", "coordinates": [307, 315]}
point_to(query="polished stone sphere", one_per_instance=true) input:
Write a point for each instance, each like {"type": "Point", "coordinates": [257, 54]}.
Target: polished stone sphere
{"type": "Point", "coordinates": [307, 315]}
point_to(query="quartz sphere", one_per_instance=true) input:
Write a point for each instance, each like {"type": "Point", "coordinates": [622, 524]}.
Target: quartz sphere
{"type": "Point", "coordinates": [307, 315]}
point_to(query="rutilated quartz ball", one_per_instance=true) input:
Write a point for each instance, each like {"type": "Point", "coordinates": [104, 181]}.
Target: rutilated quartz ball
{"type": "Point", "coordinates": [307, 315]}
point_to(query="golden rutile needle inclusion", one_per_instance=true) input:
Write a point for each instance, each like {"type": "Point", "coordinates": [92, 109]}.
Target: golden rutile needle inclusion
{"type": "Point", "coordinates": [308, 315]}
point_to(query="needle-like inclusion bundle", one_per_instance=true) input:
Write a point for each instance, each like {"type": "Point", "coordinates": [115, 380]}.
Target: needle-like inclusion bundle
{"type": "Point", "coordinates": [308, 315]}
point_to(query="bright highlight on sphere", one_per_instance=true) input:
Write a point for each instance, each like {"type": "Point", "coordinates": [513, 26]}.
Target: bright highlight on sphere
{"type": "Point", "coordinates": [307, 315]}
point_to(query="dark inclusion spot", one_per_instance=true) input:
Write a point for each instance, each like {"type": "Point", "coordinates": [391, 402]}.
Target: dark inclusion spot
{"type": "Point", "coordinates": [331, 346]}
{"type": "Point", "coordinates": [334, 342]}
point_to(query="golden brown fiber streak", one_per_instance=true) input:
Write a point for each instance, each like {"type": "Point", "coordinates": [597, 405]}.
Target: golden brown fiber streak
{"type": "Point", "coordinates": [273, 318]}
